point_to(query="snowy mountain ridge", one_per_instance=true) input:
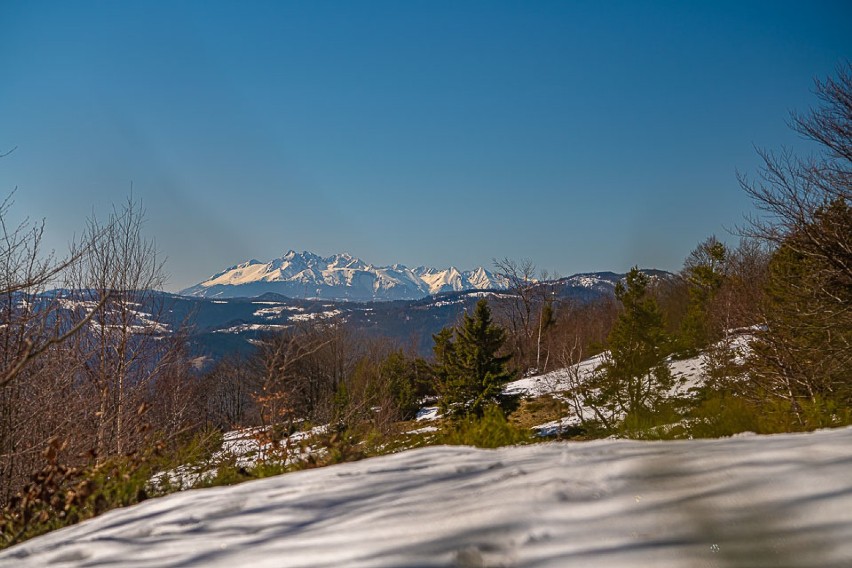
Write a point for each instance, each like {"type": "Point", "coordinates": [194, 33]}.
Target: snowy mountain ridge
{"type": "Point", "coordinates": [340, 277]}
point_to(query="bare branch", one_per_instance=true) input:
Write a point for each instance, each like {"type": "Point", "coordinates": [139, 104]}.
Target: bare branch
{"type": "Point", "coordinates": [30, 351]}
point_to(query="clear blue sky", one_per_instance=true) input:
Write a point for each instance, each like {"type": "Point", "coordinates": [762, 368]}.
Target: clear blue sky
{"type": "Point", "coordinates": [582, 135]}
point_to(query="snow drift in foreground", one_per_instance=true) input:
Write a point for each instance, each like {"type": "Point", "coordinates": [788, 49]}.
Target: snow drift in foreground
{"type": "Point", "coordinates": [782, 500]}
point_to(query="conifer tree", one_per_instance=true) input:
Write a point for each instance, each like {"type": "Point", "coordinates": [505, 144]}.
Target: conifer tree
{"type": "Point", "coordinates": [399, 376]}
{"type": "Point", "coordinates": [804, 350]}
{"type": "Point", "coordinates": [470, 373]}
{"type": "Point", "coordinates": [636, 378]}
{"type": "Point", "coordinates": [704, 272]}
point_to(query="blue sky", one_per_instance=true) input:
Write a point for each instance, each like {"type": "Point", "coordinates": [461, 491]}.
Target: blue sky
{"type": "Point", "coordinates": [582, 135]}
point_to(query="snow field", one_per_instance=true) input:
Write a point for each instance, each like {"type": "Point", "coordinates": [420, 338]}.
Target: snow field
{"type": "Point", "coordinates": [783, 500]}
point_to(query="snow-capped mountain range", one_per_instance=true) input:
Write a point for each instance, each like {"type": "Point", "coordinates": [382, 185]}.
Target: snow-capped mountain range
{"type": "Point", "coordinates": [340, 277]}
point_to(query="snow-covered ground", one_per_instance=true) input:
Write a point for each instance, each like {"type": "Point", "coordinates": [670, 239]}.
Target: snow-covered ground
{"type": "Point", "coordinates": [555, 381]}
{"type": "Point", "coordinates": [246, 448]}
{"type": "Point", "coordinates": [782, 500]}
{"type": "Point", "coordinates": [689, 374]}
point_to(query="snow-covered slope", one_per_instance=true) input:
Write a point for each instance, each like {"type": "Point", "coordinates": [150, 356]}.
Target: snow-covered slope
{"type": "Point", "coordinates": [451, 280]}
{"type": "Point", "coordinates": [339, 277]}
{"type": "Point", "coordinates": [755, 501]}
{"type": "Point", "coordinates": [689, 374]}
{"type": "Point", "coordinates": [604, 282]}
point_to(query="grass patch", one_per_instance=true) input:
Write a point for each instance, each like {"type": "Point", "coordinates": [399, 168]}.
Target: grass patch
{"type": "Point", "coordinates": [535, 411]}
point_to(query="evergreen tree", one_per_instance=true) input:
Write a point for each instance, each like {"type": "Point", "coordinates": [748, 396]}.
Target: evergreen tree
{"type": "Point", "coordinates": [704, 272]}
{"type": "Point", "coordinates": [804, 351]}
{"type": "Point", "coordinates": [399, 375]}
{"type": "Point", "coordinates": [469, 371]}
{"type": "Point", "coordinates": [636, 378]}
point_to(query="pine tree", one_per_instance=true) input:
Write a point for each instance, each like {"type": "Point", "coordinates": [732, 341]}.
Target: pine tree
{"type": "Point", "coordinates": [399, 377]}
{"type": "Point", "coordinates": [636, 378]}
{"type": "Point", "coordinates": [704, 272]}
{"type": "Point", "coordinates": [470, 373]}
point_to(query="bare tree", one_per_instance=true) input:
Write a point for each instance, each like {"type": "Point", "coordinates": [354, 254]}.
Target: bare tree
{"type": "Point", "coordinates": [528, 313]}
{"type": "Point", "coordinates": [228, 391]}
{"type": "Point", "coordinates": [739, 300]}
{"type": "Point", "coordinates": [37, 395]}
{"type": "Point", "coordinates": [26, 271]}
{"type": "Point", "coordinates": [82, 363]}
{"type": "Point", "coordinates": [805, 347]}
{"type": "Point", "coordinates": [580, 332]}
{"type": "Point", "coordinates": [298, 372]}
{"type": "Point", "coordinates": [791, 191]}
{"type": "Point", "coordinates": [124, 349]}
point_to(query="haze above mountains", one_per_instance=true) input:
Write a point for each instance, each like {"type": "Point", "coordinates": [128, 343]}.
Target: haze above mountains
{"type": "Point", "coordinates": [340, 277]}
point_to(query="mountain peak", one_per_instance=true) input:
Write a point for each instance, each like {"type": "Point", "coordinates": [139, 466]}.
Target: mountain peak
{"type": "Point", "coordinates": [340, 276]}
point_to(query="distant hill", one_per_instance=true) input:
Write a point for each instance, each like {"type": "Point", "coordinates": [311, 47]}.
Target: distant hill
{"type": "Point", "coordinates": [223, 324]}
